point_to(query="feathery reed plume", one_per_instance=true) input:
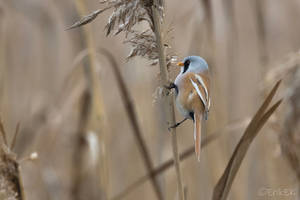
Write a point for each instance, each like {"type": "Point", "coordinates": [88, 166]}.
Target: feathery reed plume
{"type": "Point", "coordinates": [289, 139]}
{"type": "Point", "coordinates": [126, 15]}
{"type": "Point", "coordinates": [288, 122]}
{"type": "Point", "coordinates": [223, 186]}
{"type": "Point", "coordinates": [286, 70]}
{"type": "Point", "coordinates": [11, 186]}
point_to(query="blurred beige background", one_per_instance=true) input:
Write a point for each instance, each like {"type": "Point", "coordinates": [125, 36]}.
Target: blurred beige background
{"type": "Point", "coordinates": [41, 82]}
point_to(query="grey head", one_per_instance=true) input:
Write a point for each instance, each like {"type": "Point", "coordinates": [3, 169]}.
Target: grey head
{"type": "Point", "coordinates": [194, 64]}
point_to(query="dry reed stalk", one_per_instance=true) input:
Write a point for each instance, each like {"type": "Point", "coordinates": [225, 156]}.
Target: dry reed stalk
{"type": "Point", "coordinates": [130, 110]}
{"type": "Point", "coordinates": [223, 186]}
{"type": "Point", "coordinates": [209, 28]}
{"type": "Point", "coordinates": [80, 145]}
{"type": "Point", "coordinates": [209, 16]}
{"type": "Point", "coordinates": [209, 40]}
{"type": "Point", "coordinates": [184, 155]}
{"type": "Point", "coordinates": [168, 100]}
{"type": "Point", "coordinates": [14, 140]}
{"type": "Point", "coordinates": [232, 54]}
{"type": "Point", "coordinates": [147, 44]}
{"type": "Point", "coordinates": [259, 9]}
{"type": "Point", "coordinates": [94, 105]}
{"type": "Point", "coordinates": [11, 186]}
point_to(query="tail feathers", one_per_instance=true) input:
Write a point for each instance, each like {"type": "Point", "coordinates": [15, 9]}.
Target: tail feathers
{"type": "Point", "coordinates": [197, 133]}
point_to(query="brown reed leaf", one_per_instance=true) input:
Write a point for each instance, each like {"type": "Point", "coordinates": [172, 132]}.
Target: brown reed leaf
{"type": "Point", "coordinates": [13, 143]}
{"type": "Point", "coordinates": [224, 184]}
{"type": "Point", "coordinates": [87, 19]}
{"type": "Point", "coordinates": [3, 133]}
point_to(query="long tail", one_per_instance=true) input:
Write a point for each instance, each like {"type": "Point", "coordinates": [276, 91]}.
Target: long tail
{"type": "Point", "coordinates": [197, 133]}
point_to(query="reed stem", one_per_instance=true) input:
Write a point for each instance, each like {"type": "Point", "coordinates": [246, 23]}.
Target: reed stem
{"type": "Point", "coordinates": [168, 101]}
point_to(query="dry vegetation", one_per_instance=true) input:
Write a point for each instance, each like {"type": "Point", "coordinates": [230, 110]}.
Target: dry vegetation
{"type": "Point", "coordinates": [91, 101]}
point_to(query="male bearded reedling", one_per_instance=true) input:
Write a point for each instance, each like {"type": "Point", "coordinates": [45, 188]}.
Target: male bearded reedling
{"type": "Point", "coordinates": [192, 94]}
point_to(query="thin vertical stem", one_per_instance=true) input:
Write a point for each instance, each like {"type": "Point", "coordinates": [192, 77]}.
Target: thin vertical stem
{"type": "Point", "coordinates": [232, 54]}
{"type": "Point", "coordinates": [168, 100]}
{"type": "Point", "coordinates": [80, 145]}
{"type": "Point", "coordinates": [259, 9]}
{"type": "Point", "coordinates": [95, 118]}
{"type": "Point", "coordinates": [130, 110]}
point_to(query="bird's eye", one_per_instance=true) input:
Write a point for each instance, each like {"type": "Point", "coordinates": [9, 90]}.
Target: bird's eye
{"type": "Point", "coordinates": [186, 65]}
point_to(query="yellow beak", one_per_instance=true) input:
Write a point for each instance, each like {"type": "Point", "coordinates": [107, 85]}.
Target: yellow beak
{"type": "Point", "coordinates": [180, 64]}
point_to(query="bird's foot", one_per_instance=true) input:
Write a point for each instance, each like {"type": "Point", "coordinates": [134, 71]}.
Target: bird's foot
{"type": "Point", "coordinates": [177, 124]}
{"type": "Point", "coordinates": [170, 86]}
{"type": "Point", "coordinates": [174, 126]}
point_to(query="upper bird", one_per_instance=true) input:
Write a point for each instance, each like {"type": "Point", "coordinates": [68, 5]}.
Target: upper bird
{"type": "Point", "coordinates": [193, 95]}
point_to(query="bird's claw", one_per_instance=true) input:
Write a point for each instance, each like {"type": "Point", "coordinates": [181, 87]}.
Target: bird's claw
{"type": "Point", "coordinates": [174, 126]}
{"type": "Point", "coordinates": [170, 86]}
{"type": "Point", "coordinates": [177, 124]}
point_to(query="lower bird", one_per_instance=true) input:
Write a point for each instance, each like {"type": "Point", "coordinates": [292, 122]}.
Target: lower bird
{"type": "Point", "coordinates": [193, 95]}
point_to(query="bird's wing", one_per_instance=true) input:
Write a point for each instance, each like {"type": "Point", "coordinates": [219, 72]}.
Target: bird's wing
{"type": "Point", "coordinates": [204, 85]}
{"type": "Point", "coordinates": [201, 87]}
{"type": "Point", "coordinates": [195, 85]}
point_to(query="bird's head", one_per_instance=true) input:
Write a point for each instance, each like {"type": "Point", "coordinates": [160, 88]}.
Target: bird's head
{"type": "Point", "coordinates": [194, 64]}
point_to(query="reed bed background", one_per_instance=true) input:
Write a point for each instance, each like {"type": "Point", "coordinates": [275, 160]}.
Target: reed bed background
{"type": "Point", "coordinates": [92, 122]}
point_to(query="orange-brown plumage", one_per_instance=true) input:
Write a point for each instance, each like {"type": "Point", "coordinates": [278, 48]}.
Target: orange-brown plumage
{"type": "Point", "coordinates": [193, 97]}
{"type": "Point", "coordinates": [187, 95]}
